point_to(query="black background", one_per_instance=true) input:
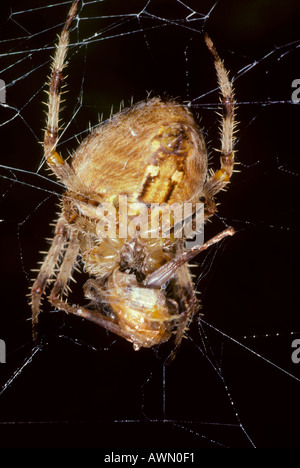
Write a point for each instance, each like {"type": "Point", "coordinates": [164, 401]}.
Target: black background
{"type": "Point", "coordinates": [233, 383]}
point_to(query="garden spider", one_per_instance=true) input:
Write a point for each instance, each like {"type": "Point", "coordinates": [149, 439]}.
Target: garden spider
{"type": "Point", "coordinates": [152, 153]}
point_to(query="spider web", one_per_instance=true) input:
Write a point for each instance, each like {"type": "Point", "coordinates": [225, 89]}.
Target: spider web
{"type": "Point", "coordinates": [233, 382]}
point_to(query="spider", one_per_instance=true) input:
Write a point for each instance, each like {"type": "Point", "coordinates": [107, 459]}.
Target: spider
{"type": "Point", "coordinates": [153, 152]}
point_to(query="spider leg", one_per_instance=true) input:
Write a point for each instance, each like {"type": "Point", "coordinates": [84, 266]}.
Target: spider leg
{"type": "Point", "coordinates": [189, 307]}
{"type": "Point", "coordinates": [219, 179]}
{"type": "Point", "coordinates": [65, 273]}
{"type": "Point", "coordinates": [47, 271]}
{"type": "Point", "coordinates": [160, 276]}
{"type": "Point", "coordinates": [94, 316]}
{"type": "Point", "coordinates": [60, 167]}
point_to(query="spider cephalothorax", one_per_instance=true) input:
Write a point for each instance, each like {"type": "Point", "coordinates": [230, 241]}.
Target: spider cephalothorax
{"type": "Point", "coordinates": [150, 154]}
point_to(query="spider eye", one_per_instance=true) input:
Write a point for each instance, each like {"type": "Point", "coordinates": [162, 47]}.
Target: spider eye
{"type": "Point", "coordinates": [175, 140]}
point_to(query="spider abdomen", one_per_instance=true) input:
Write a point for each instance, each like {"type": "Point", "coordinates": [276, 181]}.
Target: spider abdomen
{"type": "Point", "coordinates": [152, 152]}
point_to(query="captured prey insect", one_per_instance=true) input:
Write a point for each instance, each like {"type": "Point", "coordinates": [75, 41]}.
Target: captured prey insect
{"type": "Point", "coordinates": [140, 287]}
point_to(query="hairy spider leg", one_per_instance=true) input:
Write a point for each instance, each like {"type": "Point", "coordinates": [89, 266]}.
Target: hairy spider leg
{"type": "Point", "coordinates": [65, 273]}
{"type": "Point", "coordinates": [56, 163]}
{"type": "Point", "coordinates": [220, 178]}
{"type": "Point", "coordinates": [48, 270]}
